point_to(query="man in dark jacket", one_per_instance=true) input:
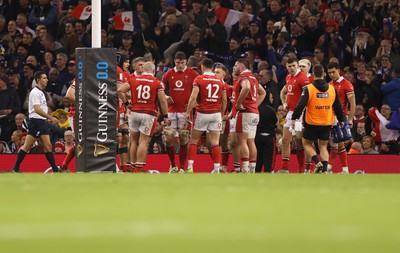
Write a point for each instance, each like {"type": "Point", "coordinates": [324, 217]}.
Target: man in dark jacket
{"type": "Point", "coordinates": [10, 105]}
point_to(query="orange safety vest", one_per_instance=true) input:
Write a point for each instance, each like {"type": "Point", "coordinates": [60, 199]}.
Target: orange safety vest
{"type": "Point", "coordinates": [320, 106]}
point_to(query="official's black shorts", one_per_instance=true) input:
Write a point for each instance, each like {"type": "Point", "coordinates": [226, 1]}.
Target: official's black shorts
{"type": "Point", "coordinates": [37, 127]}
{"type": "Point", "coordinates": [312, 132]}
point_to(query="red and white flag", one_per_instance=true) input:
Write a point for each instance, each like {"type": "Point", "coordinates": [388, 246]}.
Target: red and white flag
{"type": "Point", "coordinates": [81, 11]}
{"type": "Point", "coordinates": [124, 21]}
{"type": "Point", "coordinates": [228, 17]}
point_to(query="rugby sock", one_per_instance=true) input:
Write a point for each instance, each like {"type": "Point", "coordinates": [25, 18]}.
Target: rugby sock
{"type": "Point", "coordinates": [343, 157]}
{"type": "Point", "coordinates": [301, 159]}
{"type": "Point", "coordinates": [20, 158]}
{"type": "Point", "coordinates": [285, 163]}
{"type": "Point", "coordinates": [245, 164]}
{"type": "Point", "coordinates": [140, 167]}
{"type": "Point", "coordinates": [225, 158]}
{"type": "Point", "coordinates": [332, 155]}
{"type": "Point", "coordinates": [308, 167]}
{"type": "Point", "coordinates": [68, 158]}
{"type": "Point", "coordinates": [236, 166]}
{"type": "Point", "coordinates": [50, 159]}
{"type": "Point", "coordinates": [192, 154]}
{"type": "Point", "coordinates": [325, 166]}
{"type": "Point", "coordinates": [216, 154]}
{"type": "Point", "coordinates": [252, 166]}
{"type": "Point", "coordinates": [183, 155]}
{"type": "Point", "coordinates": [171, 154]}
{"type": "Point", "coordinates": [315, 159]}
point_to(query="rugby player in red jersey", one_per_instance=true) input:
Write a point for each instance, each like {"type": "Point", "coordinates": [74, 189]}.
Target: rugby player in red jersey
{"type": "Point", "coordinates": [248, 95]}
{"type": "Point", "coordinates": [178, 83]}
{"type": "Point", "coordinates": [145, 90]}
{"type": "Point", "coordinates": [345, 91]}
{"type": "Point", "coordinates": [210, 95]}
{"type": "Point", "coordinates": [290, 95]}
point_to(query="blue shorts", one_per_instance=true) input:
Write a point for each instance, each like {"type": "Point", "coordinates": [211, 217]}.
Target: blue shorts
{"type": "Point", "coordinates": [38, 127]}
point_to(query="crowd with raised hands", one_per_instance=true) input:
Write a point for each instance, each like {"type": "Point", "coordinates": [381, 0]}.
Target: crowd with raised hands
{"type": "Point", "coordinates": [359, 40]}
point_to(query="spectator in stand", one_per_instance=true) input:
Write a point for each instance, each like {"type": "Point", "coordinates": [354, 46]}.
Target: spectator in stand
{"type": "Point", "coordinates": [241, 28]}
{"type": "Point", "coordinates": [61, 64]}
{"type": "Point", "coordinates": [170, 8]}
{"type": "Point", "coordinates": [169, 33]}
{"type": "Point", "coordinates": [371, 89]}
{"type": "Point", "coordinates": [49, 44]}
{"type": "Point", "coordinates": [14, 144]}
{"type": "Point", "coordinates": [48, 61]}
{"type": "Point", "coordinates": [274, 12]}
{"type": "Point", "coordinates": [214, 35]}
{"type": "Point", "coordinates": [368, 146]}
{"type": "Point", "coordinates": [22, 24]}
{"type": "Point", "coordinates": [43, 13]}
{"type": "Point", "coordinates": [69, 140]}
{"type": "Point", "coordinates": [19, 122]}
{"type": "Point", "coordinates": [385, 69]}
{"type": "Point", "coordinates": [385, 138]}
{"type": "Point", "coordinates": [70, 40]}
{"type": "Point", "coordinates": [81, 33]}
{"type": "Point", "coordinates": [110, 9]}
{"type": "Point", "coordinates": [360, 132]}
{"type": "Point", "coordinates": [59, 147]}
{"type": "Point", "coordinates": [4, 149]}
{"type": "Point", "coordinates": [391, 90]}
{"type": "Point", "coordinates": [355, 148]}
{"type": "Point", "coordinates": [197, 14]}
{"type": "Point", "coordinates": [157, 140]}
{"type": "Point", "coordinates": [192, 42]}
{"type": "Point", "coordinates": [10, 105]}
{"type": "Point", "coordinates": [128, 48]}
{"type": "Point", "coordinates": [27, 39]}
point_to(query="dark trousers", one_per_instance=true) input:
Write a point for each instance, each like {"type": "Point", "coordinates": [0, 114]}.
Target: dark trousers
{"type": "Point", "coordinates": [266, 152]}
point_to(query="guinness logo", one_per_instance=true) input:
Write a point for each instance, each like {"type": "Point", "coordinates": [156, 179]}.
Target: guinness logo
{"type": "Point", "coordinates": [79, 150]}
{"type": "Point", "coordinates": [100, 149]}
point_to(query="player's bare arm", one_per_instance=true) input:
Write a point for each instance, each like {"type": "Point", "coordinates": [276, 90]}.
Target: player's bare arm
{"type": "Point", "coordinates": [261, 95]}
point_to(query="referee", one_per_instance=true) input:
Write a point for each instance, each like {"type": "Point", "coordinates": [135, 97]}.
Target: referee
{"type": "Point", "coordinates": [321, 101]}
{"type": "Point", "coordinates": [37, 128]}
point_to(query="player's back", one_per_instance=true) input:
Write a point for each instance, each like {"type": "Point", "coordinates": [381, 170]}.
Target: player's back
{"type": "Point", "coordinates": [144, 90]}
{"type": "Point", "coordinates": [210, 92]}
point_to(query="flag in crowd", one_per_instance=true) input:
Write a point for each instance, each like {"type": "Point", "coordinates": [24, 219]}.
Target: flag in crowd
{"type": "Point", "coordinates": [228, 17]}
{"type": "Point", "coordinates": [127, 21]}
{"type": "Point", "coordinates": [81, 11]}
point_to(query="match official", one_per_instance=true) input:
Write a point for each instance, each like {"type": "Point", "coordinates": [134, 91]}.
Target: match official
{"type": "Point", "coordinates": [321, 101]}
{"type": "Point", "coordinates": [37, 127]}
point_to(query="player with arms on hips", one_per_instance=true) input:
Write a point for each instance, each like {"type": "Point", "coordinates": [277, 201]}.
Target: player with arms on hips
{"type": "Point", "coordinates": [209, 93]}
{"type": "Point", "coordinates": [290, 95]}
{"type": "Point", "coordinates": [248, 94]}
{"type": "Point", "coordinates": [347, 98]}
{"type": "Point", "coordinates": [145, 90]}
{"type": "Point", "coordinates": [178, 83]}
{"type": "Point", "coordinates": [37, 126]}
{"type": "Point", "coordinates": [321, 101]}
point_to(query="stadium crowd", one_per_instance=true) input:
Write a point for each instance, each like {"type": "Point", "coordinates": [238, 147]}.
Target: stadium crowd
{"type": "Point", "coordinates": [358, 38]}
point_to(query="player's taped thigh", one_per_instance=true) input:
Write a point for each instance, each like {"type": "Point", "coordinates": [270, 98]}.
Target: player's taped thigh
{"type": "Point", "coordinates": [184, 136]}
{"type": "Point", "coordinates": [169, 132]}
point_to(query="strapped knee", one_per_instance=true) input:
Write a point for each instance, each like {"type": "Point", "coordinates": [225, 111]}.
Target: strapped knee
{"type": "Point", "coordinates": [169, 132]}
{"type": "Point", "coordinates": [123, 131]}
{"type": "Point", "coordinates": [184, 134]}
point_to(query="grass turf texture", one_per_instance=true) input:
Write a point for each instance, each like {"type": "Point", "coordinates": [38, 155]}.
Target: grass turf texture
{"type": "Point", "coordinates": [199, 213]}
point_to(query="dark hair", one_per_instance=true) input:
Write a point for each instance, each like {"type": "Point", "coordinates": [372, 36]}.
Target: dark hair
{"type": "Point", "coordinates": [38, 75]}
{"type": "Point", "coordinates": [318, 70]}
{"type": "Point", "coordinates": [291, 60]}
{"type": "Point", "coordinates": [180, 55]}
{"type": "Point", "coordinates": [207, 63]}
{"type": "Point", "coordinates": [333, 65]}
{"type": "Point", "coordinates": [244, 62]}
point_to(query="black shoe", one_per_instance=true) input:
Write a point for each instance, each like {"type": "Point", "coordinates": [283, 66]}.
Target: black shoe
{"type": "Point", "coordinates": [15, 171]}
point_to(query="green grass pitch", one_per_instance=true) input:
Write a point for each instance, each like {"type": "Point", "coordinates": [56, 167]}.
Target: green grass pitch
{"type": "Point", "coordinates": [74, 213]}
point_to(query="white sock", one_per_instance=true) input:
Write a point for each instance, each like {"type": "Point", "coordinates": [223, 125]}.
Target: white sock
{"type": "Point", "coordinates": [190, 164]}
{"type": "Point", "coordinates": [224, 168]}
{"type": "Point", "coordinates": [252, 167]}
{"type": "Point", "coordinates": [245, 167]}
{"type": "Point", "coordinates": [345, 169]}
{"type": "Point", "coordinates": [329, 167]}
{"type": "Point", "coordinates": [217, 167]}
